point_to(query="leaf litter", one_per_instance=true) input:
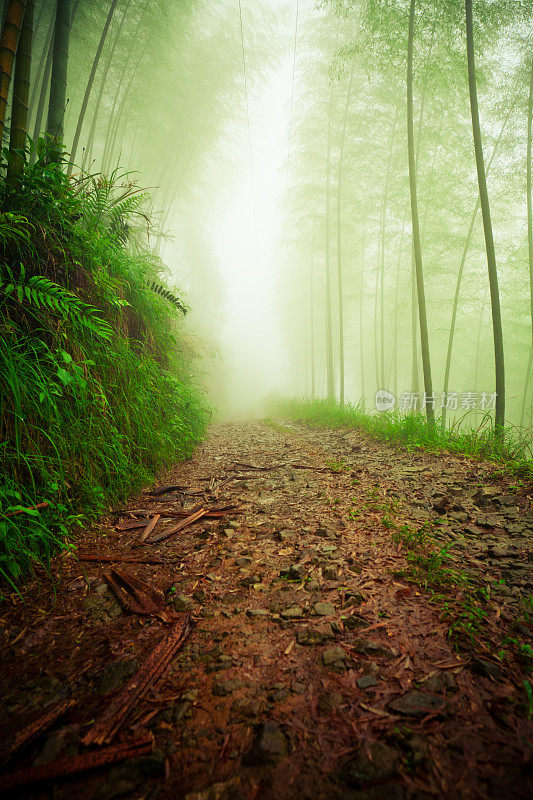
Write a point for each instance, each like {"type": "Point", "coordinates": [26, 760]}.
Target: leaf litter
{"type": "Point", "coordinates": [397, 691]}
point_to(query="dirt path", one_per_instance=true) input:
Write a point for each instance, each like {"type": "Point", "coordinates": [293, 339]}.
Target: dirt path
{"type": "Point", "coordinates": [317, 666]}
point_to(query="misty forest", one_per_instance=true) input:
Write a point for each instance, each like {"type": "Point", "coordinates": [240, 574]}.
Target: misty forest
{"type": "Point", "coordinates": [266, 395]}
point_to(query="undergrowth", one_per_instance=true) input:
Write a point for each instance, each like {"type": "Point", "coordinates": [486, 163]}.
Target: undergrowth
{"type": "Point", "coordinates": [513, 452]}
{"type": "Point", "coordinates": [95, 386]}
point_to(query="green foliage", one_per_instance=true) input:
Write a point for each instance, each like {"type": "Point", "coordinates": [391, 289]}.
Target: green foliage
{"type": "Point", "coordinates": [47, 295]}
{"type": "Point", "coordinates": [95, 393]}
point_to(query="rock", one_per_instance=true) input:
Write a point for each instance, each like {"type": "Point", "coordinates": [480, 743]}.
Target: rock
{"type": "Point", "coordinates": [242, 561]}
{"type": "Point", "coordinates": [250, 580]}
{"type": "Point", "coordinates": [485, 668]}
{"type": "Point", "coordinates": [329, 702]}
{"type": "Point", "coordinates": [102, 608]}
{"type": "Point", "coordinates": [458, 516]}
{"type": "Point", "coordinates": [312, 586]}
{"type": "Point", "coordinates": [380, 763]}
{"type": "Point", "coordinates": [316, 635]}
{"type": "Point", "coordinates": [287, 535]}
{"type": "Point", "coordinates": [372, 648]}
{"type": "Point", "coordinates": [223, 688]}
{"type": "Point", "coordinates": [269, 743]}
{"type": "Point", "coordinates": [366, 682]}
{"type": "Point", "coordinates": [440, 683]}
{"type": "Point", "coordinates": [473, 530]}
{"type": "Point", "coordinates": [324, 609]}
{"type": "Point", "coordinates": [353, 599]}
{"type": "Point", "coordinates": [330, 573]}
{"type": "Point", "coordinates": [334, 656]}
{"type": "Point", "coordinates": [116, 675]}
{"type": "Point", "coordinates": [277, 693]}
{"type": "Point", "coordinates": [292, 612]}
{"type": "Point", "coordinates": [227, 790]}
{"type": "Point", "coordinates": [355, 621]}
{"type": "Point", "coordinates": [260, 613]}
{"type": "Point", "coordinates": [417, 704]}
{"type": "Point", "coordinates": [125, 778]}
{"type": "Point", "coordinates": [297, 572]}
{"type": "Point", "coordinates": [326, 532]}
{"type": "Point", "coordinates": [181, 602]}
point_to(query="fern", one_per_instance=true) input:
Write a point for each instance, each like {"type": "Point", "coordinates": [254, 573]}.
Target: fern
{"type": "Point", "coordinates": [172, 298]}
{"type": "Point", "coordinates": [45, 294]}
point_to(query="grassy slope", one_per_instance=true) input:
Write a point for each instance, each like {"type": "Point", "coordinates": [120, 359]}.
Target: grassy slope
{"type": "Point", "coordinates": [95, 386]}
{"type": "Point", "coordinates": [412, 431]}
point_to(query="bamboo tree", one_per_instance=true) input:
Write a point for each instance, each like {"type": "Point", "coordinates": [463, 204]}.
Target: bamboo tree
{"type": "Point", "coordinates": [382, 226]}
{"type": "Point", "coordinates": [39, 114]}
{"type": "Point", "coordinates": [499, 364]}
{"type": "Point", "coordinates": [361, 293]}
{"type": "Point", "coordinates": [58, 79]}
{"type": "Point", "coordinates": [42, 61]}
{"type": "Point", "coordinates": [21, 91]}
{"type": "Point", "coordinates": [417, 249]}
{"type": "Point", "coordinates": [87, 153]}
{"type": "Point", "coordinates": [329, 317]}
{"type": "Point", "coordinates": [462, 263]}
{"type": "Point", "coordinates": [14, 16]}
{"type": "Point", "coordinates": [339, 242]}
{"type": "Point", "coordinates": [115, 116]}
{"type": "Point", "coordinates": [529, 235]}
{"type": "Point", "coordinates": [89, 86]}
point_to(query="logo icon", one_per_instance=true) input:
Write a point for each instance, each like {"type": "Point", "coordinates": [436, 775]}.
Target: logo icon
{"type": "Point", "coordinates": [384, 400]}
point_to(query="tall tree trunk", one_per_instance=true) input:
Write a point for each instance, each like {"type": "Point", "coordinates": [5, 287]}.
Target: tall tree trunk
{"type": "Point", "coordinates": [89, 87]}
{"type": "Point", "coordinates": [361, 304]}
{"type": "Point", "coordinates": [21, 91]}
{"type": "Point", "coordinates": [529, 233]}
{"type": "Point", "coordinates": [87, 153]}
{"type": "Point", "coordinates": [330, 390]}
{"type": "Point", "coordinates": [42, 61]}
{"type": "Point", "coordinates": [396, 315]}
{"type": "Point", "coordinates": [109, 147]}
{"type": "Point", "coordinates": [39, 114]}
{"type": "Point", "coordinates": [417, 248]}
{"type": "Point", "coordinates": [8, 47]}
{"type": "Point", "coordinates": [339, 237]}
{"type": "Point", "coordinates": [499, 364]}
{"type": "Point", "coordinates": [58, 80]}
{"type": "Point", "coordinates": [462, 263]}
{"type": "Point", "coordinates": [382, 250]}
{"type": "Point", "coordinates": [415, 383]}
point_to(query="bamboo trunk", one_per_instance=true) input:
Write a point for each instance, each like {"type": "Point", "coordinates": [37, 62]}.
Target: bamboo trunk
{"type": "Point", "coordinates": [58, 80]}
{"type": "Point", "coordinates": [11, 29]}
{"type": "Point", "coordinates": [499, 363]}
{"type": "Point", "coordinates": [21, 91]}
{"type": "Point", "coordinates": [529, 233]}
{"type": "Point", "coordinates": [89, 87]}
{"type": "Point", "coordinates": [417, 248]}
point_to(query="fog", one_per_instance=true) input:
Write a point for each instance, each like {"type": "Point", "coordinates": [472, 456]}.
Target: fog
{"type": "Point", "coordinates": [272, 138]}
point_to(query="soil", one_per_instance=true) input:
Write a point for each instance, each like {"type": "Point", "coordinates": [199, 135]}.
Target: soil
{"type": "Point", "coordinates": [323, 661]}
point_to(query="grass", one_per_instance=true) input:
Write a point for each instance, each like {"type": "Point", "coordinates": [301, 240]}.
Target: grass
{"type": "Point", "coordinates": [96, 386]}
{"type": "Point", "coordinates": [411, 431]}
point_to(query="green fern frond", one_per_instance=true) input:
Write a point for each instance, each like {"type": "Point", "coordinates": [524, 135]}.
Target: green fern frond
{"type": "Point", "coordinates": [46, 295]}
{"type": "Point", "coordinates": [176, 301]}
